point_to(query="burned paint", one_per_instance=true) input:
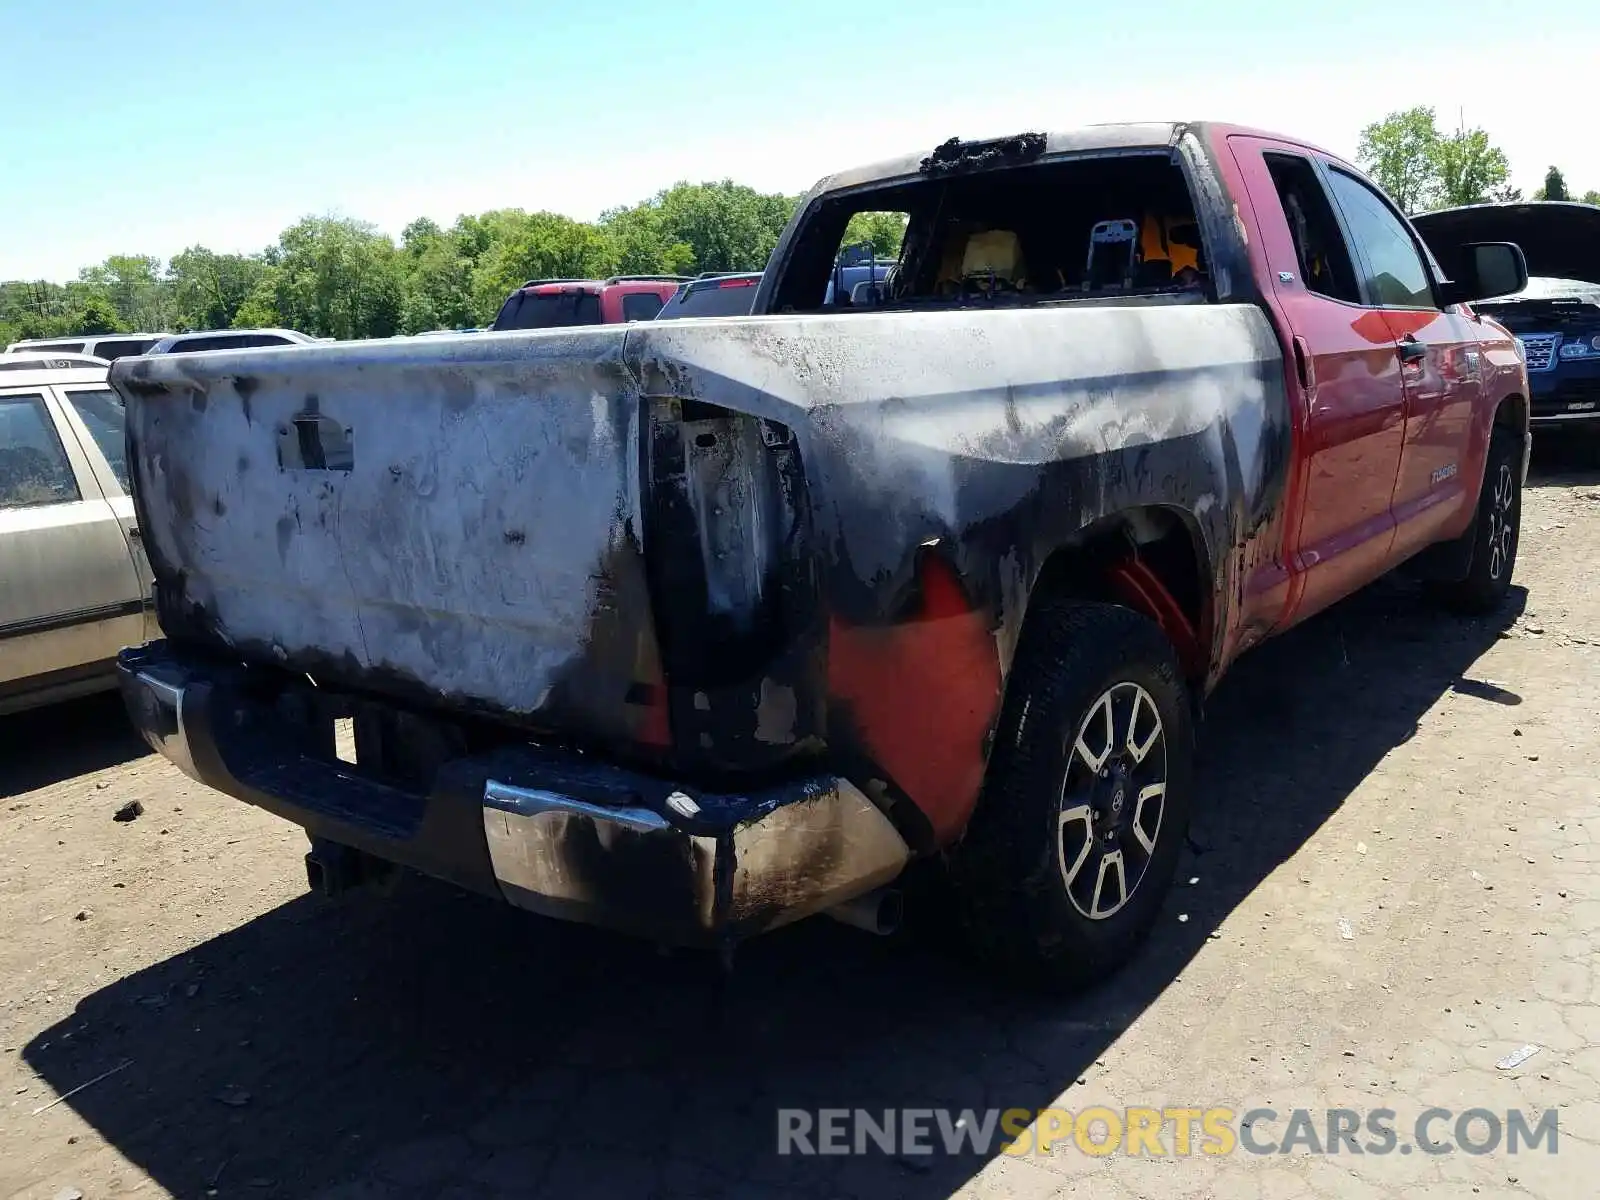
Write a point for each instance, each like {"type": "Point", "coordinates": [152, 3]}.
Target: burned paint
{"type": "Point", "coordinates": [733, 511]}
{"type": "Point", "coordinates": [719, 548]}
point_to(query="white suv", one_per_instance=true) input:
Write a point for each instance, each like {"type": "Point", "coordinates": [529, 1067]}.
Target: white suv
{"type": "Point", "coordinates": [99, 345]}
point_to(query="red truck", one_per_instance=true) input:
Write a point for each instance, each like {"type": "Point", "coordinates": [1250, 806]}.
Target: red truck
{"type": "Point", "coordinates": [695, 628]}
{"type": "Point", "coordinates": [560, 303]}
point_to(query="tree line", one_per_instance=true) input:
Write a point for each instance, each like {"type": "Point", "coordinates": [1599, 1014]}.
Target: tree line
{"type": "Point", "coordinates": [343, 278]}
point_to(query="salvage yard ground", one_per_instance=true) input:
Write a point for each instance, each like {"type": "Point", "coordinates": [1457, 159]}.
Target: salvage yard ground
{"type": "Point", "coordinates": [1394, 883]}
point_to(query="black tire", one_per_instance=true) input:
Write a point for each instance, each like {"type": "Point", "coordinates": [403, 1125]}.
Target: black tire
{"type": "Point", "coordinates": [1020, 877]}
{"type": "Point", "coordinates": [1495, 532]}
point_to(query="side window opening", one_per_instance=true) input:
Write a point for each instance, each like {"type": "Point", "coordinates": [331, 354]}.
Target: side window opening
{"type": "Point", "coordinates": [101, 411]}
{"type": "Point", "coordinates": [1055, 232]}
{"type": "Point", "coordinates": [1325, 263]}
{"type": "Point", "coordinates": [640, 306]}
{"type": "Point", "coordinates": [1398, 277]}
{"type": "Point", "coordinates": [34, 468]}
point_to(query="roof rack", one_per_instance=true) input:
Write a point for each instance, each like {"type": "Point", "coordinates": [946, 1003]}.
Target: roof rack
{"type": "Point", "coordinates": [647, 279]}
{"type": "Point", "coordinates": [540, 282]}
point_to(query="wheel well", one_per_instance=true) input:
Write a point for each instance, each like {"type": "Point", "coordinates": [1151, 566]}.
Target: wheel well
{"type": "Point", "coordinates": [1512, 413]}
{"type": "Point", "coordinates": [1149, 559]}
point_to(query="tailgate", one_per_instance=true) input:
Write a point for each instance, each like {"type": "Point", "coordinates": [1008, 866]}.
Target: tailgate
{"type": "Point", "coordinates": [451, 521]}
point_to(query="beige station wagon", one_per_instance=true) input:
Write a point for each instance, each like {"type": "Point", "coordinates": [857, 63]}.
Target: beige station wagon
{"type": "Point", "coordinates": [74, 583]}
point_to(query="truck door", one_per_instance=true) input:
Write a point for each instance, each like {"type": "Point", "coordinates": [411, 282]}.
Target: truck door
{"type": "Point", "coordinates": [1345, 362]}
{"type": "Point", "coordinates": [1439, 363]}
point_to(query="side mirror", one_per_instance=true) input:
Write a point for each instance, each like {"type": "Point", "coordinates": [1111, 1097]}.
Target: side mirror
{"type": "Point", "coordinates": [1484, 269]}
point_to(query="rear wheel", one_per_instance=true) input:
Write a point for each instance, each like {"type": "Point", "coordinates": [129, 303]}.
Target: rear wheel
{"type": "Point", "coordinates": [1495, 532]}
{"type": "Point", "coordinates": [1074, 846]}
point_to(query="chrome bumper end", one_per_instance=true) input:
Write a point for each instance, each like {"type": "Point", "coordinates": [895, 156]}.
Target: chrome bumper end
{"type": "Point", "coordinates": [154, 695]}
{"type": "Point", "coordinates": [667, 875]}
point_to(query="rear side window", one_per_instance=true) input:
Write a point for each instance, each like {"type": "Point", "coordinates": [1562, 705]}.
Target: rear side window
{"type": "Point", "coordinates": [121, 349]}
{"type": "Point", "coordinates": [101, 411]}
{"type": "Point", "coordinates": [1325, 263]}
{"type": "Point", "coordinates": [228, 341]}
{"type": "Point", "coordinates": [640, 306]}
{"type": "Point", "coordinates": [548, 310]}
{"type": "Point", "coordinates": [34, 469]}
{"type": "Point", "coordinates": [715, 299]}
{"type": "Point", "coordinates": [62, 347]}
{"type": "Point", "coordinates": [1398, 278]}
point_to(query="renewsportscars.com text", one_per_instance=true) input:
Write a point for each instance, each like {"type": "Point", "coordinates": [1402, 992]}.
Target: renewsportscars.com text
{"type": "Point", "coordinates": [1163, 1132]}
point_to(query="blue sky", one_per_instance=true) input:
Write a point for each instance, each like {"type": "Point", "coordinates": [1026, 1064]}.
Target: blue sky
{"type": "Point", "coordinates": [144, 129]}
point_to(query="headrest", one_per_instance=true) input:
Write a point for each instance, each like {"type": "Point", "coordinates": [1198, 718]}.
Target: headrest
{"type": "Point", "coordinates": [994, 251]}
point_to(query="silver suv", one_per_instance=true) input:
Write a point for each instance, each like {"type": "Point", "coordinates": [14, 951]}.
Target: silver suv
{"type": "Point", "coordinates": [229, 339]}
{"type": "Point", "coordinates": [76, 583]}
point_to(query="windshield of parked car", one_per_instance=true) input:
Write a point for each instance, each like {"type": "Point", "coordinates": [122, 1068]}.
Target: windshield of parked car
{"type": "Point", "coordinates": [1086, 228]}
{"type": "Point", "coordinates": [548, 310]}
{"type": "Point", "coordinates": [730, 297]}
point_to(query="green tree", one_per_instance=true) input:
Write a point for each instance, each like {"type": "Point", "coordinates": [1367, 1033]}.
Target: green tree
{"type": "Point", "coordinates": [31, 309]}
{"type": "Point", "coordinates": [1555, 186]}
{"type": "Point", "coordinates": [209, 289]}
{"type": "Point", "coordinates": [1592, 197]}
{"type": "Point", "coordinates": [1422, 168]}
{"type": "Point", "coordinates": [535, 246]}
{"type": "Point", "coordinates": [135, 286]}
{"type": "Point", "coordinates": [884, 230]}
{"type": "Point", "coordinates": [690, 227]}
{"type": "Point", "coordinates": [96, 316]}
{"type": "Point", "coordinates": [641, 244]}
{"type": "Point", "coordinates": [437, 279]}
{"type": "Point", "coordinates": [1469, 169]}
{"type": "Point", "coordinates": [331, 277]}
{"type": "Point", "coordinates": [1401, 152]}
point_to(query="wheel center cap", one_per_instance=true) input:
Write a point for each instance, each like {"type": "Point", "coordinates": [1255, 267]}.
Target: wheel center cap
{"type": "Point", "coordinates": [1117, 798]}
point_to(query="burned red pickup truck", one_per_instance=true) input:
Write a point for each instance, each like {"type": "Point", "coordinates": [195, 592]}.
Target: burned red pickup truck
{"type": "Point", "coordinates": [695, 628]}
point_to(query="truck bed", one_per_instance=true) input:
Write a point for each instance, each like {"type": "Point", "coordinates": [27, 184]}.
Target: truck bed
{"type": "Point", "coordinates": [646, 537]}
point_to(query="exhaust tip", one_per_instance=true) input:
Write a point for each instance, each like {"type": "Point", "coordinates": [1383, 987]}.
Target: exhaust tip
{"type": "Point", "coordinates": [878, 912]}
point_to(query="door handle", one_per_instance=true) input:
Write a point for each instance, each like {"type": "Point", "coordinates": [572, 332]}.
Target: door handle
{"type": "Point", "coordinates": [1412, 350]}
{"type": "Point", "coordinates": [1304, 365]}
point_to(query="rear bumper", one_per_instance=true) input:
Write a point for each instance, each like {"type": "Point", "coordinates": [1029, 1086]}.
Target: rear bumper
{"type": "Point", "coordinates": [553, 832]}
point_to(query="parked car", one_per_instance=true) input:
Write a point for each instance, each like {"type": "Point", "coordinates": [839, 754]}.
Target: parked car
{"type": "Point", "coordinates": [106, 346]}
{"type": "Point", "coordinates": [1556, 318]}
{"type": "Point", "coordinates": [76, 583]}
{"type": "Point", "coordinates": [695, 628]}
{"type": "Point", "coordinates": [856, 270]}
{"type": "Point", "coordinates": [559, 303]}
{"type": "Point", "coordinates": [230, 339]}
{"type": "Point", "coordinates": [712, 296]}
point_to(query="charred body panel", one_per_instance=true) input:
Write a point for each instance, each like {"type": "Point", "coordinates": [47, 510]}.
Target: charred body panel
{"type": "Point", "coordinates": [719, 549]}
{"type": "Point", "coordinates": [947, 456]}
{"type": "Point", "coordinates": [456, 525]}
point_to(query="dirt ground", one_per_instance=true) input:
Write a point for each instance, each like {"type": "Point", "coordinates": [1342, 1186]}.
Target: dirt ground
{"type": "Point", "coordinates": [1394, 882]}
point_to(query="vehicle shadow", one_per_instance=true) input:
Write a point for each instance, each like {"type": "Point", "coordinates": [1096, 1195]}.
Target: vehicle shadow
{"type": "Point", "coordinates": [437, 1044]}
{"type": "Point", "coordinates": [61, 741]}
{"type": "Point", "coordinates": [1564, 459]}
